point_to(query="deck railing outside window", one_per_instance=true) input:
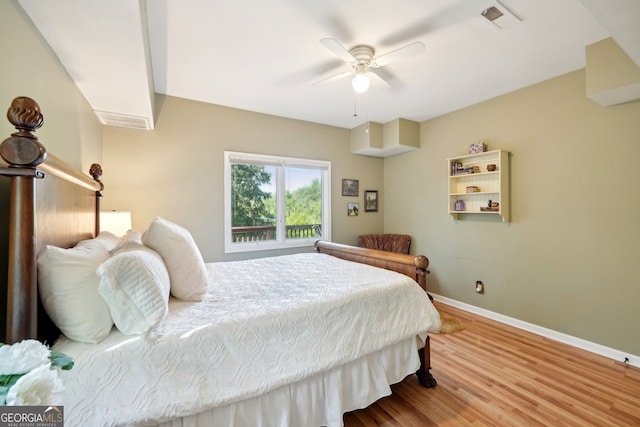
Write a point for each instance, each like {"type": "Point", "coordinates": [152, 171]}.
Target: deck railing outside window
{"type": "Point", "coordinates": [255, 233]}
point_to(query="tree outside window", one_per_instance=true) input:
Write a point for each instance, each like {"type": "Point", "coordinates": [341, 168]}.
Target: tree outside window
{"type": "Point", "coordinates": [274, 202]}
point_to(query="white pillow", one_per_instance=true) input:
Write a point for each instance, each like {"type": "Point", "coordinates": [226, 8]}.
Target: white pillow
{"type": "Point", "coordinates": [68, 287]}
{"type": "Point", "coordinates": [135, 284]}
{"type": "Point", "coordinates": [108, 240]}
{"type": "Point", "coordinates": [181, 256]}
{"type": "Point", "coordinates": [133, 235]}
{"type": "Point", "coordinates": [131, 239]}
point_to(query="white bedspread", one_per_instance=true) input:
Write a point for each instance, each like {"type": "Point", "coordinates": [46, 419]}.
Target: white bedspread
{"type": "Point", "coordinates": [264, 323]}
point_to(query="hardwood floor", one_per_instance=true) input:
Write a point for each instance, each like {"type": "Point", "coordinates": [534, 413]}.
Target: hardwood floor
{"type": "Point", "coordinates": [491, 374]}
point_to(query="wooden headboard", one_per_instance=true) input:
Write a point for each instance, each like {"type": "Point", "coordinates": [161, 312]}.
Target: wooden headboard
{"type": "Point", "coordinates": [66, 203]}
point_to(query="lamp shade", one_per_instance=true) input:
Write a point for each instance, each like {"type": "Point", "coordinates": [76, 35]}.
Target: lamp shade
{"type": "Point", "coordinates": [116, 222]}
{"type": "Point", "coordinates": [360, 82]}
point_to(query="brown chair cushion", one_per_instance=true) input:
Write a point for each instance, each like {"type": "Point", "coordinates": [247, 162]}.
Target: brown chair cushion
{"type": "Point", "coordinates": [399, 243]}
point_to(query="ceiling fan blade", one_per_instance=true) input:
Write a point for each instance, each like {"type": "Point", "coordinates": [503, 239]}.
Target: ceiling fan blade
{"type": "Point", "coordinates": [333, 78]}
{"type": "Point", "coordinates": [377, 81]}
{"type": "Point", "coordinates": [400, 53]}
{"type": "Point", "coordinates": [338, 49]}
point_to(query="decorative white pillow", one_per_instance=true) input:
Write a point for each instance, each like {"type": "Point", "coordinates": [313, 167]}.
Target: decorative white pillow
{"type": "Point", "coordinates": [68, 287]}
{"type": "Point", "coordinates": [135, 284]}
{"type": "Point", "coordinates": [181, 256]}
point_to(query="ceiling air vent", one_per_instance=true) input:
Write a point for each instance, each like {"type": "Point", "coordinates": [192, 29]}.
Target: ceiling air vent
{"type": "Point", "coordinates": [123, 120]}
{"type": "Point", "coordinates": [492, 13]}
{"type": "Point", "coordinates": [499, 16]}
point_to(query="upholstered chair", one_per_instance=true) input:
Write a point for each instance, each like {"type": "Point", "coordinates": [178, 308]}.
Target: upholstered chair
{"type": "Point", "coordinates": [398, 243]}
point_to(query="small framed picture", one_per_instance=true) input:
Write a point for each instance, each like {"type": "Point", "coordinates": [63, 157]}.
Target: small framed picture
{"type": "Point", "coordinates": [350, 187]}
{"type": "Point", "coordinates": [352, 209]}
{"type": "Point", "coordinates": [370, 201]}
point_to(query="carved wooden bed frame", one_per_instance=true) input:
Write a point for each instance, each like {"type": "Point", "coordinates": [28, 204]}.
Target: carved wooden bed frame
{"type": "Point", "coordinates": [51, 203]}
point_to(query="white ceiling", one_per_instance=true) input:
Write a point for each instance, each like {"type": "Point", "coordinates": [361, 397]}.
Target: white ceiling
{"type": "Point", "coordinates": [263, 56]}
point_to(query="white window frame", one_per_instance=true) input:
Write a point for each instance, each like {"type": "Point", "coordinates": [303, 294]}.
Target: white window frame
{"type": "Point", "coordinates": [231, 157]}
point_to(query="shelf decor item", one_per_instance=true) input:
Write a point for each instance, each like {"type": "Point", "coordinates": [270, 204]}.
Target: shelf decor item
{"type": "Point", "coordinates": [473, 189]}
{"type": "Point", "coordinates": [491, 207]}
{"type": "Point", "coordinates": [491, 167]}
{"type": "Point", "coordinates": [459, 205]}
{"type": "Point", "coordinates": [477, 148]}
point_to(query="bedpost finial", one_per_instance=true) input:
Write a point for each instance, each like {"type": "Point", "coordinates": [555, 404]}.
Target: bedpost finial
{"type": "Point", "coordinates": [24, 113]}
{"type": "Point", "coordinates": [22, 148]}
{"type": "Point", "coordinates": [96, 173]}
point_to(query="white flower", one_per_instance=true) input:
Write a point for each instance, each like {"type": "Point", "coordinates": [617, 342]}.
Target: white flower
{"type": "Point", "coordinates": [22, 357]}
{"type": "Point", "coordinates": [29, 374]}
{"type": "Point", "coordinates": [41, 386]}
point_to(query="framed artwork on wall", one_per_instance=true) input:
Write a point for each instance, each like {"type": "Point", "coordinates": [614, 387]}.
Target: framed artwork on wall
{"type": "Point", "coordinates": [350, 187]}
{"type": "Point", "coordinates": [352, 209]}
{"type": "Point", "coordinates": [370, 201]}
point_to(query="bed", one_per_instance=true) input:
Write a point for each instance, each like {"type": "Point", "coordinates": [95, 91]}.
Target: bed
{"type": "Point", "coordinates": [342, 324]}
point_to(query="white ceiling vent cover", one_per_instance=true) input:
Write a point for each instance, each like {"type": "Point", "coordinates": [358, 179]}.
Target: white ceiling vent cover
{"type": "Point", "coordinates": [123, 120]}
{"type": "Point", "coordinates": [499, 16]}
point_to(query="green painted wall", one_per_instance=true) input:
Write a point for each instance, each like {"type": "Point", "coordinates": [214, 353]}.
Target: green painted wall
{"type": "Point", "coordinates": [567, 259]}
{"type": "Point", "coordinates": [178, 168]}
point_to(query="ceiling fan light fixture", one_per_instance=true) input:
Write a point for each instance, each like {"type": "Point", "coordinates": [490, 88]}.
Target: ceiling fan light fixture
{"type": "Point", "coordinates": [360, 82]}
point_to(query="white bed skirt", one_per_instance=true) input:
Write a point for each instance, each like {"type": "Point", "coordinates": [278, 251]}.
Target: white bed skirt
{"type": "Point", "coordinates": [320, 400]}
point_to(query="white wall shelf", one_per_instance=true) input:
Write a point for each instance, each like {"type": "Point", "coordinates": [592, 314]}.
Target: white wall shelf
{"type": "Point", "coordinates": [489, 185]}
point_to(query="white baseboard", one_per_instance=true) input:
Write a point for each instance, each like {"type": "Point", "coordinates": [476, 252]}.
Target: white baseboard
{"type": "Point", "coordinates": [611, 353]}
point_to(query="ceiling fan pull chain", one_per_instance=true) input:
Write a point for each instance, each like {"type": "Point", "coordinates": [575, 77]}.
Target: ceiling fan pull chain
{"type": "Point", "coordinates": [355, 106]}
{"type": "Point", "coordinates": [366, 109]}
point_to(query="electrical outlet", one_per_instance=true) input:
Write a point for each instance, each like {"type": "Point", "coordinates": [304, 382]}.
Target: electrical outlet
{"type": "Point", "coordinates": [479, 287]}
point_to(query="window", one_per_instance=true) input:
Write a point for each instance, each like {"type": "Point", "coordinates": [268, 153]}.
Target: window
{"type": "Point", "coordinates": [275, 202]}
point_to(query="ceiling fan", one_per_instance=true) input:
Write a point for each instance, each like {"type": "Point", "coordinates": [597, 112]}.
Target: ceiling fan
{"type": "Point", "coordinates": [363, 63]}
